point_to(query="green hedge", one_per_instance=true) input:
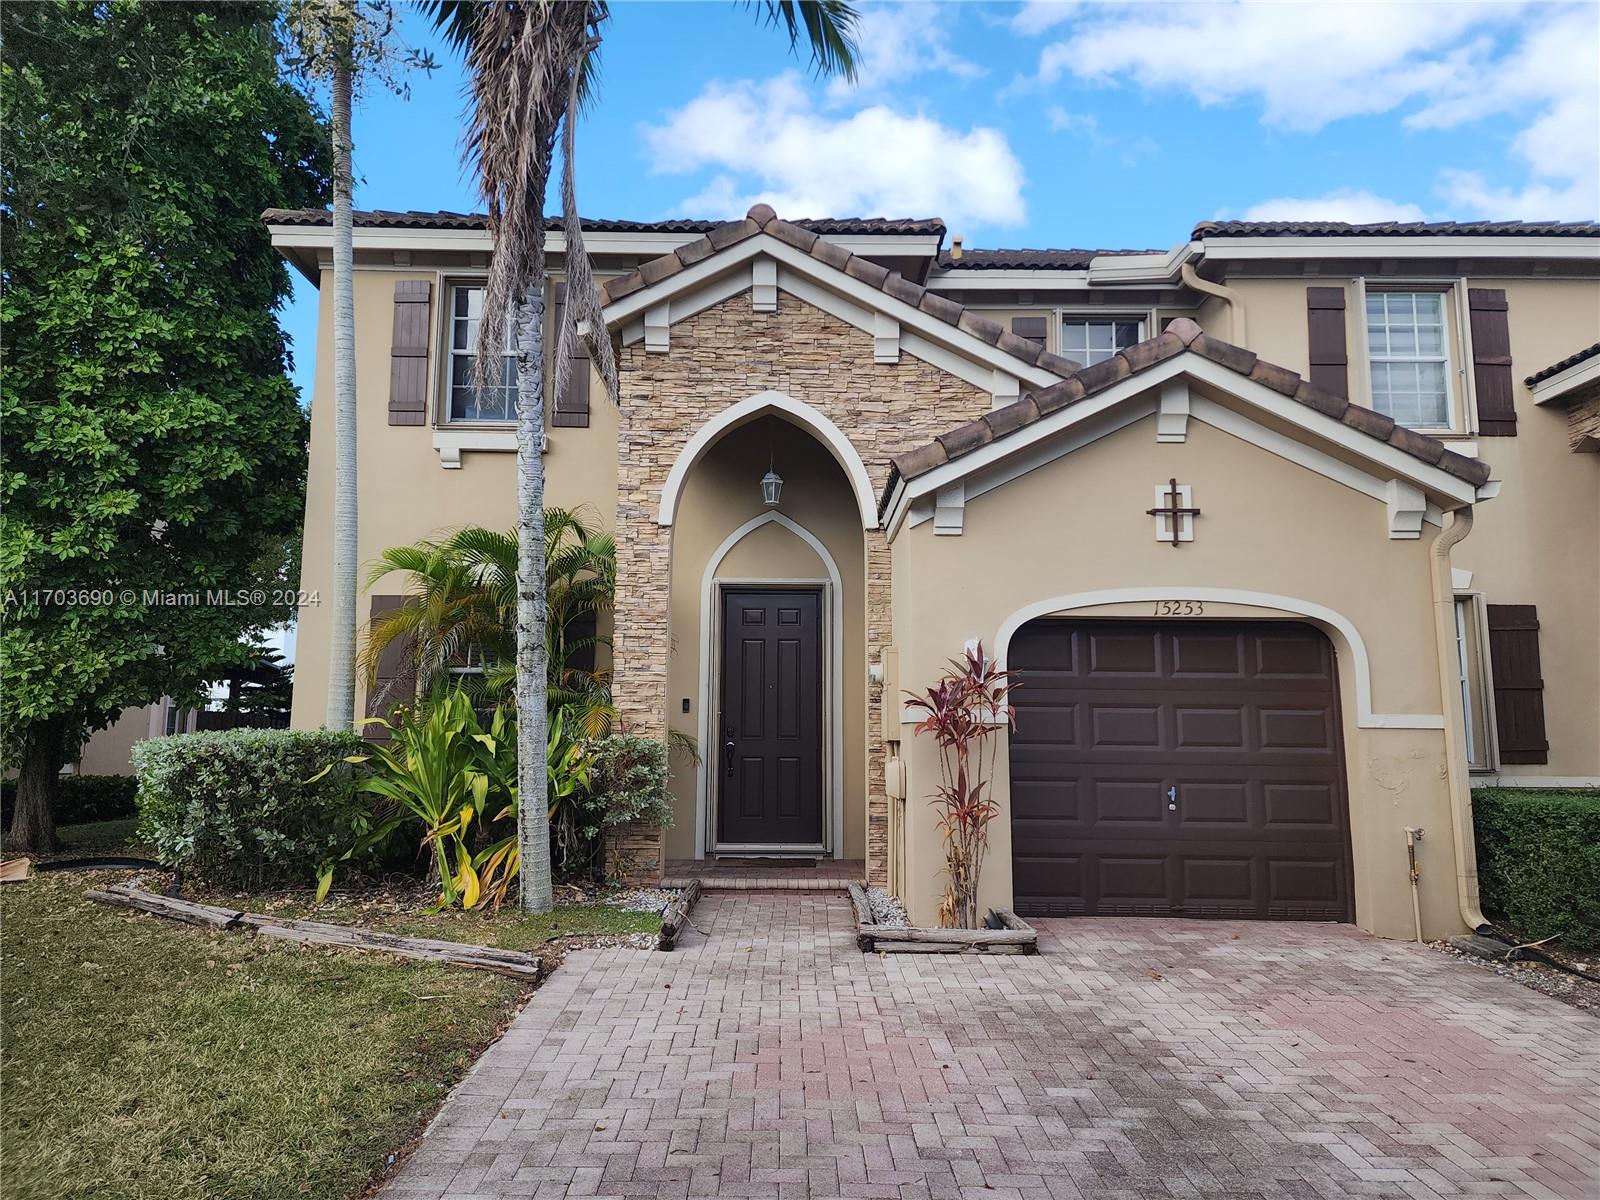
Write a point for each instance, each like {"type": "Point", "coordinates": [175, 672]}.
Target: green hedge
{"type": "Point", "coordinates": [239, 806]}
{"type": "Point", "coordinates": [1539, 861]}
{"type": "Point", "coordinates": [82, 798]}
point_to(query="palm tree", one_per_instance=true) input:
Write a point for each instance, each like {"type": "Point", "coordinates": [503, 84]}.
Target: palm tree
{"type": "Point", "coordinates": [463, 605]}
{"type": "Point", "coordinates": [341, 40]}
{"type": "Point", "coordinates": [531, 64]}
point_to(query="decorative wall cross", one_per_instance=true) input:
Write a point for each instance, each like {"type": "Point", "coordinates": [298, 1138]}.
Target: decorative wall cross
{"type": "Point", "coordinates": [1174, 517]}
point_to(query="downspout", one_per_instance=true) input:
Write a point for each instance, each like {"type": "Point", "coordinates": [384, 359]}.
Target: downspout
{"type": "Point", "coordinates": [1456, 784]}
{"type": "Point", "coordinates": [1236, 327]}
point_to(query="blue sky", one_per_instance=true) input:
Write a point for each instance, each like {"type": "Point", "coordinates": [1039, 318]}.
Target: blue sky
{"type": "Point", "coordinates": [1070, 124]}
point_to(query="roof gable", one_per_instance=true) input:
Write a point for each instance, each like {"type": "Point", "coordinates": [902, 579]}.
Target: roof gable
{"type": "Point", "coordinates": [802, 250]}
{"type": "Point", "coordinates": [1184, 349]}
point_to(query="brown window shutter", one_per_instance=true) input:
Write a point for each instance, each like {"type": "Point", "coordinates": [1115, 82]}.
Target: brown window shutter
{"type": "Point", "coordinates": [408, 353]}
{"type": "Point", "coordinates": [1491, 363]}
{"type": "Point", "coordinates": [1330, 365]}
{"type": "Point", "coordinates": [572, 406]}
{"type": "Point", "coordinates": [1518, 682]}
{"type": "Point", "coordinates": [394, 668]}
{"type": "Point", "coordinates": [1035, 329]}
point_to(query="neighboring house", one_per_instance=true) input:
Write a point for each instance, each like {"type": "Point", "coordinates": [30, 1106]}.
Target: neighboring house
{"type": "Point", "coordinates": [109, 751]}
{"type": "Point", "coordinates": [1269, 612]}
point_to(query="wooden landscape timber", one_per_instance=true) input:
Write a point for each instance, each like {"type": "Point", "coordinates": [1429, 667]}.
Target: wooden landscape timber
{"type": "Point", "coordinates": [514, 963]}
{"type": "Point", "coordinates": [1013, 935]}
{"type": "Point", "coordinates": [676, 915]}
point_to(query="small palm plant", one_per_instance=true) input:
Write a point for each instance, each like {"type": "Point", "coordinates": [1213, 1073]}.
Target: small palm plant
{"type": "Point", "coordinates": [964, 707]}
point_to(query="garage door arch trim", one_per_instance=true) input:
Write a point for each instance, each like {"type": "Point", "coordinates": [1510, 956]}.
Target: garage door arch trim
{"type": "Point", "coordinates": [1333, 623]}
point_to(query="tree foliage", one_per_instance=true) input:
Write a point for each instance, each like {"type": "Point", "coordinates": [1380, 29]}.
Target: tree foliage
{"type": "Point", "coordinates": [153, 443]}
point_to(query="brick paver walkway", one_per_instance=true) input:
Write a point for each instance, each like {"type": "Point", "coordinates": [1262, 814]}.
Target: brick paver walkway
{"type": "Point", "coordinates": [767, 1057]}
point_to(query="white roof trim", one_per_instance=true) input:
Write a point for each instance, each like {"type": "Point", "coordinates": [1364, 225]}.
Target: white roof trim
{"type": "Point", "coordinates": [1576, 376]}
{"type": "Point", "coordinates": [1327, 617]}
{"type": "Point", "coordinates": [1389, 462]}
{"type": "Point", "coordinates": [1479, 247]}
{"type": "Point", "coordinates": [912, 320]}
{"type": "Point", "coordinates": [801, 414]}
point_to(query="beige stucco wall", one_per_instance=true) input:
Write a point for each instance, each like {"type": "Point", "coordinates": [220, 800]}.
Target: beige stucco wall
{"type": "Point", "coordinates": [1539, 541]}
{"type": "Point", "coordinates": [721, 495]}
{"type": "Point", "coordinates": [403, 492]}
{"type": "Point", "coordinates": [1079, 525]}
{"type": "Point", "coordinates": [108, 751]}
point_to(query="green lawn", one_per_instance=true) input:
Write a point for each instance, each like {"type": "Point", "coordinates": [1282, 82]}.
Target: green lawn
{"type": "Point", "coordinates": [147, 1059]}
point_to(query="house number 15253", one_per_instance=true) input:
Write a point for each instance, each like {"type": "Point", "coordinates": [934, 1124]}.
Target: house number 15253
{"type": "Point", "coordinates": [1180, 608]}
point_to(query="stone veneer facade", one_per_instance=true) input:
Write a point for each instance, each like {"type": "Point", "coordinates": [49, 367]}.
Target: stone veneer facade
{"type": "Point", "coordinates": [717, 358]}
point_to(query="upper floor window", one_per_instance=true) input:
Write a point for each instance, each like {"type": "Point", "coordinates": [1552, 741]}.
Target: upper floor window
{"type": "Point", "coordinates": [1406, 341]}
{"type": "Point", "coordinates": [1087, 342]}
{"type": "Point", "coordinates": [467, 403]}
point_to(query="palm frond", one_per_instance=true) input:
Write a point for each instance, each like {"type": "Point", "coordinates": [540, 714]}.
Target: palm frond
{"type": "Point", "coordinates": [830, 31]}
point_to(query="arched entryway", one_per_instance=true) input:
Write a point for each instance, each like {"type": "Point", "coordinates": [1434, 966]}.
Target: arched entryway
{"type": "Point", "coordinates": [767, 649]}
{"type": "Point", "coordinates": [1178, 767]}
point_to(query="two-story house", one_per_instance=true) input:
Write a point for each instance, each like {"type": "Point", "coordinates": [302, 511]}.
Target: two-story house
{"type": "Point", "coordinates": [1292, 534]}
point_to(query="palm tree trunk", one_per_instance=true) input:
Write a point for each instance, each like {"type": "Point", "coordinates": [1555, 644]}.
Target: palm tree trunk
{"type": "Point", "coordinates": [342, 651]}
{"type": "Point", "coordinates": [533, 819]}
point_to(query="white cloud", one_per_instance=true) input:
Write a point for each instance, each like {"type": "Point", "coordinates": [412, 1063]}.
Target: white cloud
{"type": "Point", "coordinates": [767, 142]}
{"type": "Point", "coordinates": [1063, 121]}
{"type": "Point", "coordinates": [1346, 204]}
{"type": "Point", "coordinates": [1038, 15]}
{"type": "Point", "coordinates": [1310, 64]}
{"type": "Point", "coordinates": [897, 42]}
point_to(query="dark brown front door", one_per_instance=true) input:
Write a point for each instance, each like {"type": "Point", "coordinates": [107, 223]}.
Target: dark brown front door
{"type": "Point", "coordinates": [1185, 768]}
{"type": "Point", "coordinates": [771, 792]}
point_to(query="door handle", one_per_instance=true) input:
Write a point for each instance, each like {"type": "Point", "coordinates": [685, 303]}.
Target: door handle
{"type": "Point", "coordinates": [727, 755]}
{"type": "Point", "coordinates": [1172, 798]}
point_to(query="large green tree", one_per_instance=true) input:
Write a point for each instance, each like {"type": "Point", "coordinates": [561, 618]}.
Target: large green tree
{"type": "Point", "coordinates": [154, 449]}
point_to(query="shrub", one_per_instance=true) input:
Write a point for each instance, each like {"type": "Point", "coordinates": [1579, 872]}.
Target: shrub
{"type": "Point", "coordinates": [1539, 861]}
{"type": "Point", "coordinates": [241, 806]}
{"type": "Point", "coordinates": [83, 798]}
{"type": "Point", "coordinates": [627, 784]}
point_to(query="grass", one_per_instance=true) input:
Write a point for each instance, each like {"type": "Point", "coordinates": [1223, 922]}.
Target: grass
{"type": "Point", "coordinates": [101, 837]}
{"type": "Point", "coordinates": [144, 1058]}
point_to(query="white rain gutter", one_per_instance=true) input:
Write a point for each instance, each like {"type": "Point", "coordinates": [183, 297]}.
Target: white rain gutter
{"type": "Point", "coordinates": [1456, 782]}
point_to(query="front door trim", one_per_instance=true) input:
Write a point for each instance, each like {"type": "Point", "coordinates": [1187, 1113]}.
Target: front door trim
{"type": "Point", "coordinates": [832, 690]}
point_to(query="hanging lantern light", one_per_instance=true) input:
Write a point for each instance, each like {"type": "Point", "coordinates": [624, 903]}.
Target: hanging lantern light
{"type": "Point", "coordinates": [771, 482]}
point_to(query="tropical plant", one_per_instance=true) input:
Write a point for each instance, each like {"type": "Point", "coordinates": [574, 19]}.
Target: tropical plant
{"type": "Point", "coordinates": [963, 708]}
{"type": "Point", "coordinates": [463, 600]}
{"type": "Point", "coordinates": [430, 774]}
{"type": "Point", "coordinates": [340, 41]}
{"type": "Point", "coordinates": [153, 443]}
{"type": "Point", "coordinates": [531, 63]}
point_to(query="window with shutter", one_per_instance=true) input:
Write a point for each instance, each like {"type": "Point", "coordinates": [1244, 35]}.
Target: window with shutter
{"type": "Point", "coordinates": [571, 408]}
{"type": "Point", "coordinates": [394, 676]}
{"type": "Point", "coordinates": [1518, 682]}
{"type": "Point", "coordinates": [408, 353]}
{"type": "Point", "coordinates": [1330, 366]}
{"type": "Point", "coordinates": [1491, 362]}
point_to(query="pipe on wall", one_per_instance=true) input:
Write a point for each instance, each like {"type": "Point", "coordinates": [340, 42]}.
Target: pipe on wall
{"type": "Point", "coordinates": [1236, 326]}
{"type": "Point", "coordinates": [1455, 758]}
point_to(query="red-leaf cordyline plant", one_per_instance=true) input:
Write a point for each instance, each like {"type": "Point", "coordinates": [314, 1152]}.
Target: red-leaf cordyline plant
{"type": "Point", "coordinates": [964, 707]}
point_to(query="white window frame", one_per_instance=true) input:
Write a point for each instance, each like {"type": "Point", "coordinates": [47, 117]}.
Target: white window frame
{"type": "Point", "coordinates": [1457, 351]}
{"type": "Point", "coordinates": [480, 667]}
{"type": "Point", "coordinates": [450, 285]}
{"type": "Point", "coordinates": [1061, 315]}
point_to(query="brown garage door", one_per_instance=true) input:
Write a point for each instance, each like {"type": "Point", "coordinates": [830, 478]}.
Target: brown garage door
{"type": "Point", "coordinates": [1185, 768]}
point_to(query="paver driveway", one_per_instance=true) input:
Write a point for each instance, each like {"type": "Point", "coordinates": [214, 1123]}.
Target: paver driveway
{"type": "Point", "coordinates": [767, 1057]}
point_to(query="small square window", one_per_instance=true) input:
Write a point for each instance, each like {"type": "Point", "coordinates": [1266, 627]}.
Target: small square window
{"type": "Point", "coordinates": [1087, 342]}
